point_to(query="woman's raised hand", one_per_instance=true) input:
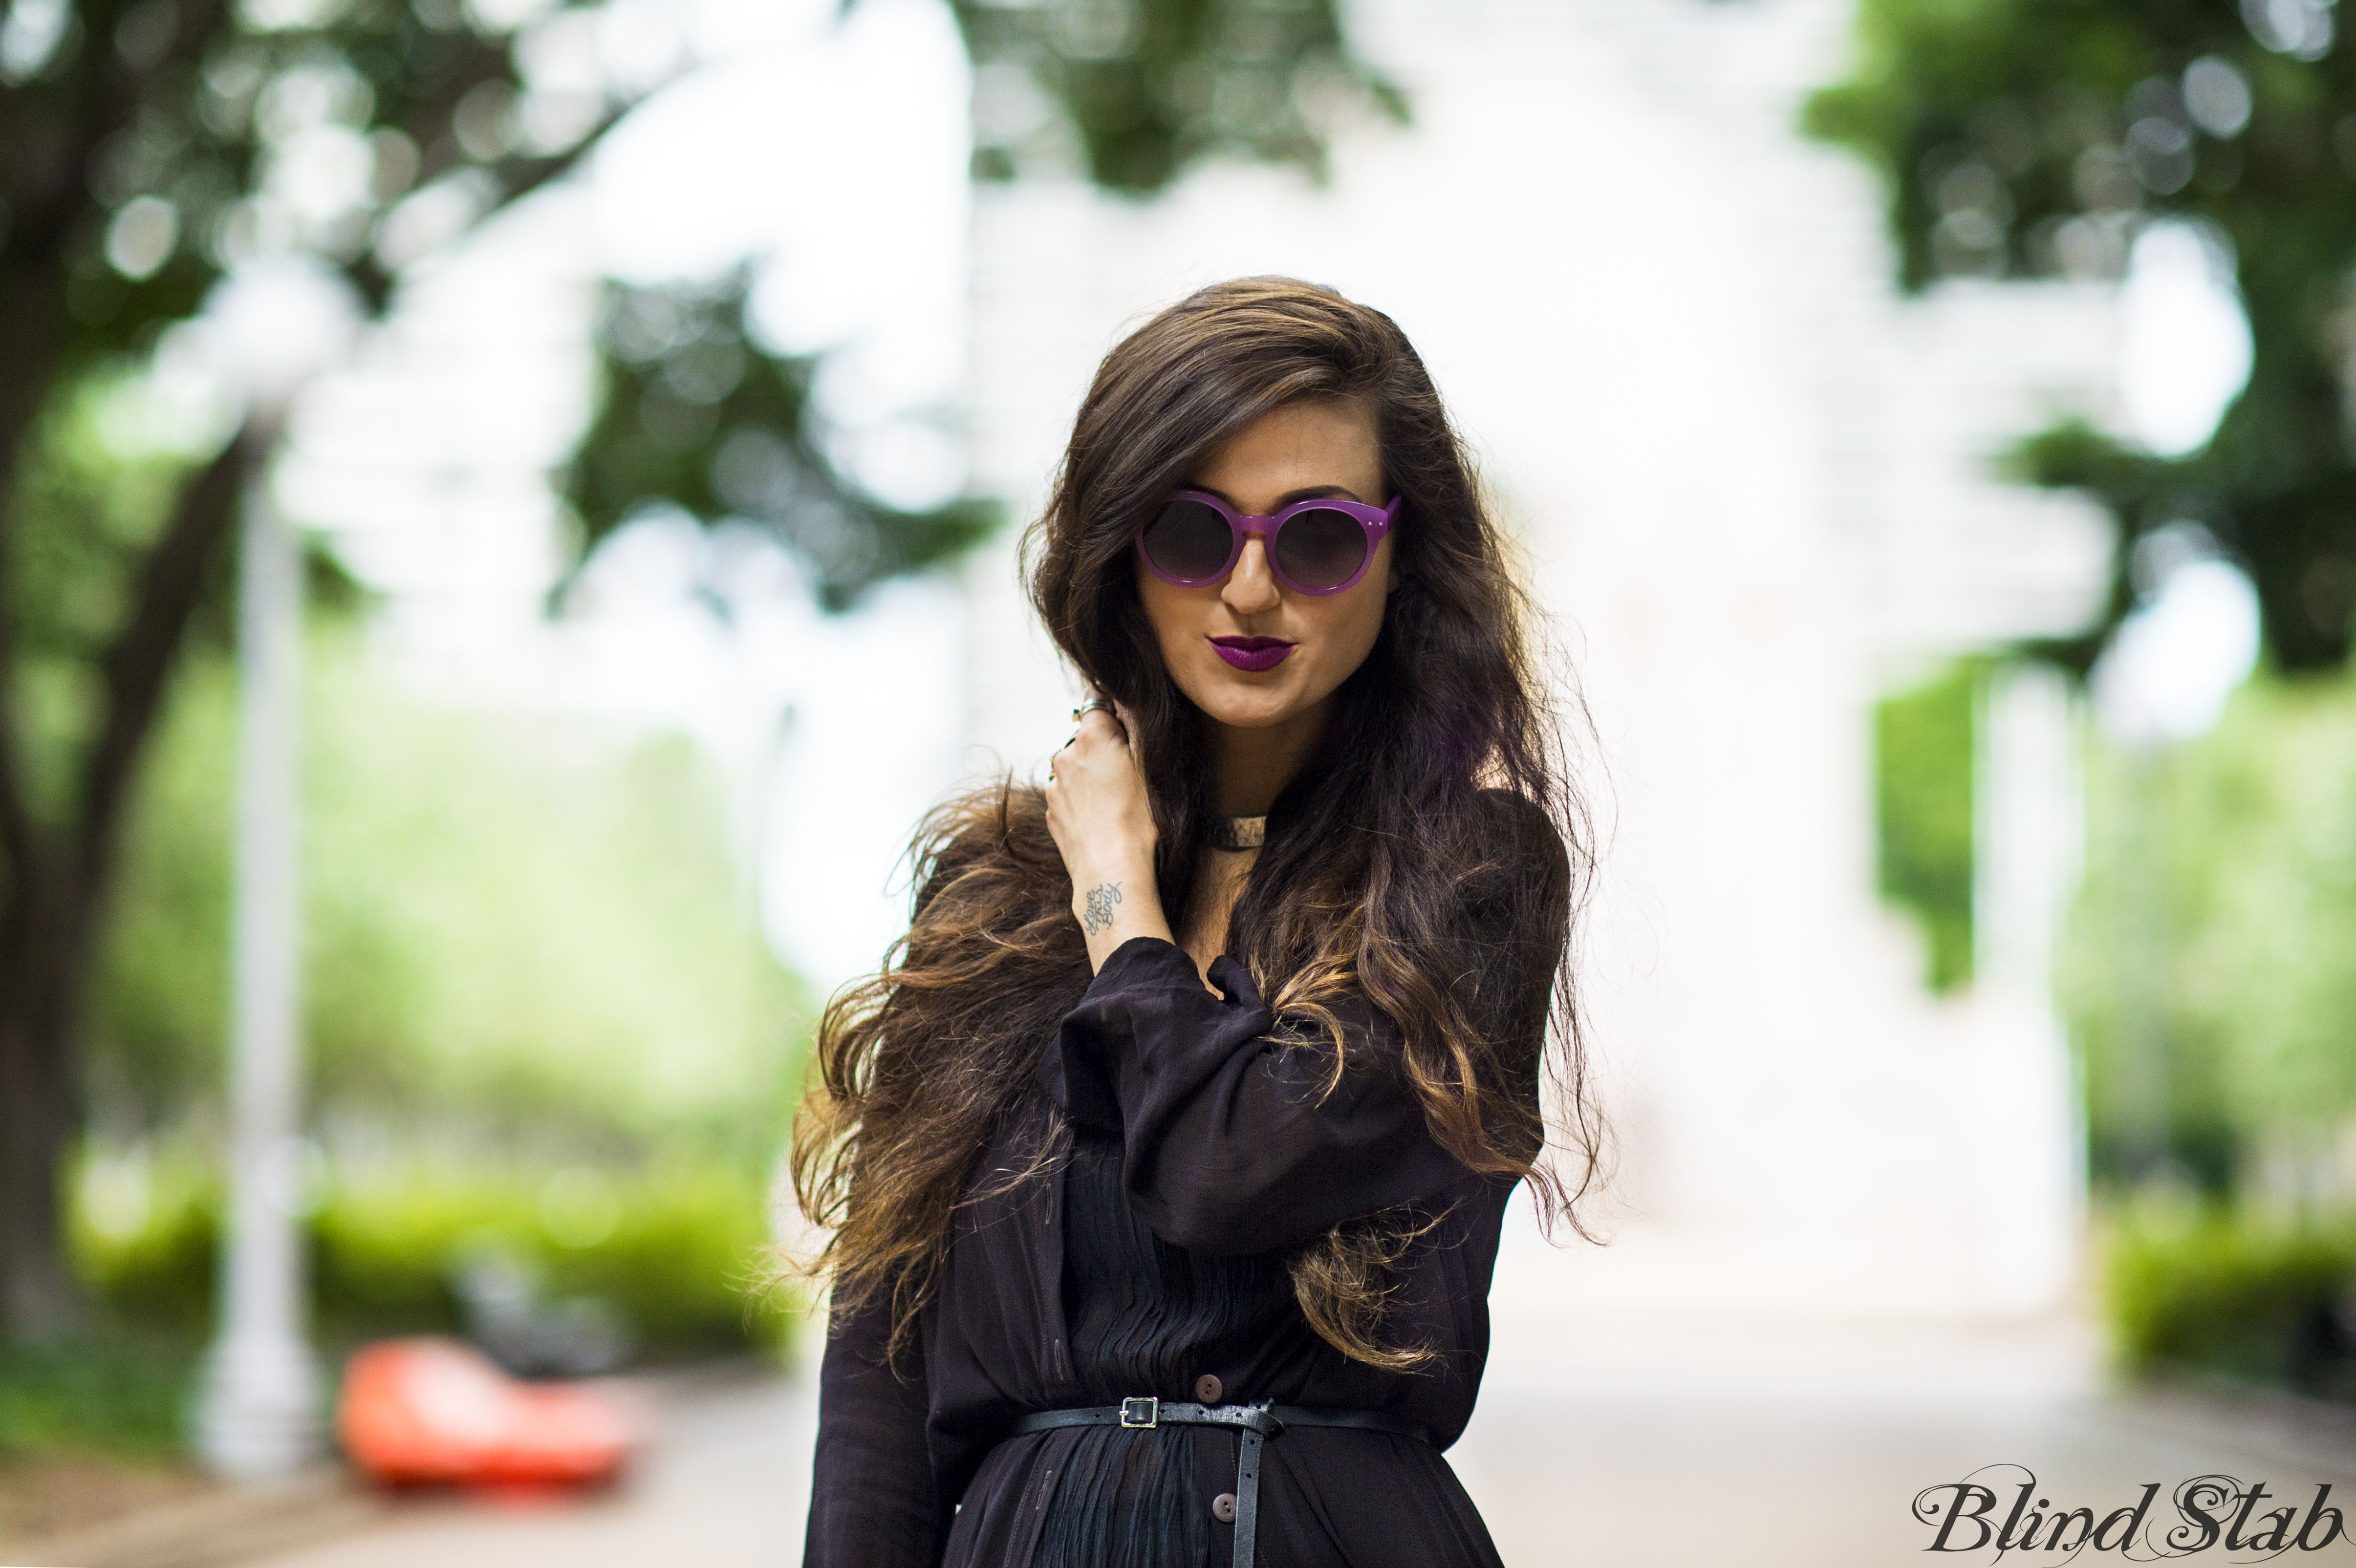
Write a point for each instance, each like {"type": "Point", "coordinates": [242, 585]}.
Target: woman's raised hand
{"type": "Point", "coordinates": [1102, 820]}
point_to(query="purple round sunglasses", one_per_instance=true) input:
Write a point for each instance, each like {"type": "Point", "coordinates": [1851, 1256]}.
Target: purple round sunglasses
{"type": "Point", "coordinates": [1314, 546]}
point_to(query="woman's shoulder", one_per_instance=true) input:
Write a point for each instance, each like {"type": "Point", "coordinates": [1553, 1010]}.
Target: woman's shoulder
{"type": "Point", "coordinates": [1524, 834]}
{"type": "Point", "coordinates": [1520, 888]}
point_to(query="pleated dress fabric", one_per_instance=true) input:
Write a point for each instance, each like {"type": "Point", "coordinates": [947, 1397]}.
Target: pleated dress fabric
{"type": "Point", "coordinates": [1142, 1314]}
{"type": "Point", "coordinates": [1193, 1148]}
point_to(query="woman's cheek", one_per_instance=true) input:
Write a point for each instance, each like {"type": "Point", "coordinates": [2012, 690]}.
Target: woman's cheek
{"type": "Point", "coordinates": [1346, 643]}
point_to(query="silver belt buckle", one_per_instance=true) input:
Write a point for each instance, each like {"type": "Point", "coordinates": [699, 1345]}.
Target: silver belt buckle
{"type": "Point", "coordinates": [1140, 1411]}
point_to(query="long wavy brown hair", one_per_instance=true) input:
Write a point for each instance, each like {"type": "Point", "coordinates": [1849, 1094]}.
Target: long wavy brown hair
{"type": "Point", "coordinates": [1372, 855]}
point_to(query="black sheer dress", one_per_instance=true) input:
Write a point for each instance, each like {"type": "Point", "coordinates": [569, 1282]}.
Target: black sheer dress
{"type": "Point", "coordinates": [1196, 1148]}
{"type": "Point", "coordinates": [1143, 1314]}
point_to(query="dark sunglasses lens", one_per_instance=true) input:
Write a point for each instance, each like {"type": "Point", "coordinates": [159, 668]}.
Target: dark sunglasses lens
{"type": "Point", "coordinates": [1321, 548]}
{"type": "Point", "coordinates": [1187, 539]}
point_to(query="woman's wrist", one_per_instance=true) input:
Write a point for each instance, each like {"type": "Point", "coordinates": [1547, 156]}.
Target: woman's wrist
{"type": "Point", "coordinates": [1116, 903]}
{"type": "Point", "coordinates": [1105, 889]}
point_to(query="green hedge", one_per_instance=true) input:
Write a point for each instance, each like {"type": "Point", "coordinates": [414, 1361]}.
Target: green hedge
{"type": "Point", "coordinates": [2222, 1294]}
{"type": "Point", "coordinates": [678, 1249]}
{"type": "Point", "coordinates": [121, 1394]}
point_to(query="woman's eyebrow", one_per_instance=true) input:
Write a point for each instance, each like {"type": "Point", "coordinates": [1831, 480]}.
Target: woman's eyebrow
{"type": "Point", "coordinates": [1307, 493]}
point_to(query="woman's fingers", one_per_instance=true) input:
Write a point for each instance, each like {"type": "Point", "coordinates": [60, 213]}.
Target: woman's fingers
{"type": "Point", "coordinates": [1095, 702]}
{"type": "Point", "coordinates": [1099, 739]}
{"type": "Point", "coordinates": [1101, 725]}
{"type": "Point", "coordinates": [1096, 803]}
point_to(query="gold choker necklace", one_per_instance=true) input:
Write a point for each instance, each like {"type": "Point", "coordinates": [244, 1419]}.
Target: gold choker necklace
{"type": "Point", "coordinates": [1234, 832]}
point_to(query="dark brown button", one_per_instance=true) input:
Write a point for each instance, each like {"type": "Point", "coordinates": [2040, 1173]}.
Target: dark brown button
{"type": "Point", "coordinates": [1208, 1387]}
{"type": "Point", "coordinates": [1223, 1508]}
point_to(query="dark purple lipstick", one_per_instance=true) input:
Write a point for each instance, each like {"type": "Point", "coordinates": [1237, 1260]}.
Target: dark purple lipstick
{"type": "Point", "coordinates": [1254, 654]}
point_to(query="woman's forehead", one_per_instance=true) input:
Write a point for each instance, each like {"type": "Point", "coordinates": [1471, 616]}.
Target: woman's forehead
{"type": "Point", "coordinates": [1328, 444]}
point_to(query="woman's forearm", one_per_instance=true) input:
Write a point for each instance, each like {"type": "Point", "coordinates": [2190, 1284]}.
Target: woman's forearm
{"type": "Point", "coordinates": [1238, 1137]}
{"type": "Point", "coordinates": [872, 1502]}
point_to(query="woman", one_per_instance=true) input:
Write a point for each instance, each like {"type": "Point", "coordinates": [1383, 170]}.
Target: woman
{"type": "Point", "coordinates": [1165, 1164]}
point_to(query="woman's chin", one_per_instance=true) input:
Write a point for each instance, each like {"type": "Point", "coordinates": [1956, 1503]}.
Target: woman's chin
{"type": "Point", "coordinates": [1248, 702]}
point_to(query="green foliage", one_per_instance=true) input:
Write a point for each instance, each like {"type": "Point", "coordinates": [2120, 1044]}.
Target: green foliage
{"type": "Point", "coordinates": [113, 1394]}
{"type": "Point", "coordinates": [2224, 1295]}
{"type": "Point", "coordinates": [2269, 921]}
{"type": "Point", "coordinates": [1151, 86]}
{"type": "Point", "coordinates": [2237, 857]}
{"type": "Point", "coordinates": [2016, 113]}
{"type": "Point", "coordinates": [695, 415]}
{"type": "Point", "coordinates": [523, 933]}
{"type": "Point", "coordinates": [678, 1245]}
{"type": "Point", "coordinates": [1922, 795]}
{"type": "Point", "coordinates": [2031, 138]}
{"type": "Point", "coordinates": [146, 1238]}
{"type": "Point", "coordinates": [198, 100]}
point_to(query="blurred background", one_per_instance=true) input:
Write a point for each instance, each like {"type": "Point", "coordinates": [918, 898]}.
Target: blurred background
{"type": "Point", "coordinates": [509, 513]}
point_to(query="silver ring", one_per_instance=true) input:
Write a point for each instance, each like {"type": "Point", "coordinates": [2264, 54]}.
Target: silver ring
{"type": "Point", "coordinates": [1093, 705]}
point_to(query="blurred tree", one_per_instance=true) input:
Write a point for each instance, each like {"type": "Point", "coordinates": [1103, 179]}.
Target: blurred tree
{"type": "Point", "coordinates": [149, 148]}
{"type": "Point", "coordinates": [2034, 138]}
{"type": "Point", "coordinates": [1922, 816]}
{"type": "Point", "coordinates": [2243, 843]}
{"type": "Point", "coordinates": [695, 416]}
{"type": "Point", "coordinates": [1131, 91]}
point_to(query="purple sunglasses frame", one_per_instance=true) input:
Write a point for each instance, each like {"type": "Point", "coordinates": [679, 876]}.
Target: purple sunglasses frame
{"type": "Point", "coordinates": [1375, 520]}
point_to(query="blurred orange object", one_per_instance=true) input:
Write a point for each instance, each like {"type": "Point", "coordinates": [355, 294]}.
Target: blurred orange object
{"type": "Point", "coordinates": [431, 1410]}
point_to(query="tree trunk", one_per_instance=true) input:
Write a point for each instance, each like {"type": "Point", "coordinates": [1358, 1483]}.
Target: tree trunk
{"type": "Point", "coordinates": [44, 957]}
{"type": "Point", "coordinates": [37, 1109]}
{"type": "Point", "coordinates": [55, 882]}
{"type": "Point", "coordinates": [29, 341]}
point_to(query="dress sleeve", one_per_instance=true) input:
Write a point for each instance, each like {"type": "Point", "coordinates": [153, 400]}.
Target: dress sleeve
{"type": "Point", "coordinates": [872, 1501]}
{"type": "Point", "coordinates": [1230, 1141]}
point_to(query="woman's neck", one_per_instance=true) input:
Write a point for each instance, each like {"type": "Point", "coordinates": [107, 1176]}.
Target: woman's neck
{"type": "Point", "coordinates": [1251, 767]}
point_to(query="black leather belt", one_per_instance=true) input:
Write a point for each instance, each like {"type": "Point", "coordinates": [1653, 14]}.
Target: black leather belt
{"type": "Point", "coordinates": [1253, 1424]}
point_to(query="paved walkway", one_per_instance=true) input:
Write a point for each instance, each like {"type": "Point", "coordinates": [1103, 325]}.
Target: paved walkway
{"type": "Point", "coordinates": [1674, 1446]}
{"type": "Point", "coordinates": [726, 1483]}
{"type": "Point", "coordinates": [1659, 1445]}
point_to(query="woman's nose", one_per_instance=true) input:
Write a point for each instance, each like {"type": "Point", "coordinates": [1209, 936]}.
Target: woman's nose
{"type": "Point", "coordinates": [1250, 587]}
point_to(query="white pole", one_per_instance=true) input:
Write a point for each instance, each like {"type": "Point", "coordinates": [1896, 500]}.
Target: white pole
{"type": "Point", "coordinates": [260, 1416]}
{"type": "Point", "coordinates": [2031, 1176]}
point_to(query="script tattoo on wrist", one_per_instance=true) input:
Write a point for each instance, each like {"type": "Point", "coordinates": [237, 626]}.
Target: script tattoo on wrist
{"type": "Point", "coordinates": [1095, 913]}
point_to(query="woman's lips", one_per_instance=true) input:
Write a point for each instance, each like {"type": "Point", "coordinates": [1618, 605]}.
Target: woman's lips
{"type": "Point", "coordinates": [1253, 653]}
